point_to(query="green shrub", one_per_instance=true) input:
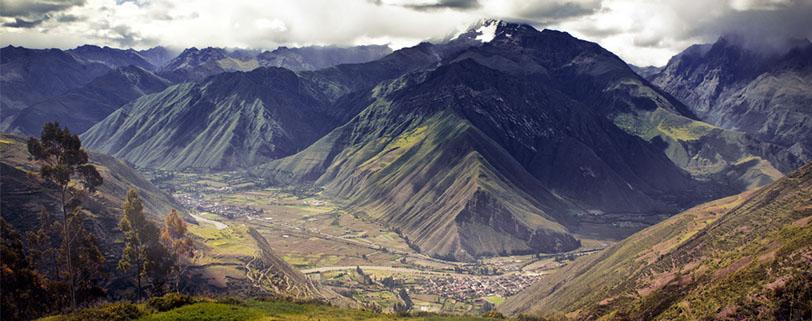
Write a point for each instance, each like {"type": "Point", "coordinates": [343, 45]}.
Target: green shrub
{"type": "Point", "coordinates": [231, 300]}
{"type": "Point", "coordinates": [169, 302]}
{"type": "Point", "coordinates": [493, 315]}
{"type": "Point", "coordinates": [120, 311]}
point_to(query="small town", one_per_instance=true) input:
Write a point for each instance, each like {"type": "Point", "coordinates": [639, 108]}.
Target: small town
{"type": "Point", "coordinates": [473, 287]}
{"type": "Point", "coordinates": [195, 201]}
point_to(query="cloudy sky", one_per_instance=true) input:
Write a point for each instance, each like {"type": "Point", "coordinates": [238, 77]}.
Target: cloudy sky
{"type": "Point", "coordinates": [643, 32]}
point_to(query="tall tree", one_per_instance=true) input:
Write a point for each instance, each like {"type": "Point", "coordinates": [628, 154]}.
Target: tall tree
{"type": "Point", "coordinates": [64, 163]}
{"type": "Point", "coordinates": [25, 292]}
{"type": "Point", "coordinates": [175, 237]}
{"type": "Point", "coordinates": [143, 252]}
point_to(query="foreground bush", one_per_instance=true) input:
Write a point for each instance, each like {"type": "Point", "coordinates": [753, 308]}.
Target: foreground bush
{"type": "Point", "coordinates": [121, 311]}
{"type": "Point", "coordinates": [169, 301]}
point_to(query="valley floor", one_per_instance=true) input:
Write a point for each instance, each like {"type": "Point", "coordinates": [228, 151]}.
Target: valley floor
{"type": "Point", "coordinates": [342, 249]}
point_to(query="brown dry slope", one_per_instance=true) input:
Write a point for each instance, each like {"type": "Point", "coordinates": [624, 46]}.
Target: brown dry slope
{"type": "Point", "coordinates": [745, 257]}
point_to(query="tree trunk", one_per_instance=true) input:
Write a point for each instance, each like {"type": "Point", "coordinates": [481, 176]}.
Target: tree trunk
{"type": "Point", "coordinates": [138, 271]}
{"type": "Point", "coordinates": [68, 257]}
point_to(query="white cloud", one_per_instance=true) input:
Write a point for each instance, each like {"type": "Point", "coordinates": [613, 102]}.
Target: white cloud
{"type": "Point", "coordinates": [640, 31]}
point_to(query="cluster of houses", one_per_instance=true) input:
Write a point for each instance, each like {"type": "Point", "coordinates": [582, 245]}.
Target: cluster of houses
{"type": "Point", "coordinates": [473, 287]}
{"type": "Point", "coordinates": [198, 203]}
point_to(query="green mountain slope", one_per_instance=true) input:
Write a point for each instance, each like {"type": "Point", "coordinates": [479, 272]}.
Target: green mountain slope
{"type": "Point", "coordinates": [727, 259]}
{"type": "Point", "coordinates": [228, 121]}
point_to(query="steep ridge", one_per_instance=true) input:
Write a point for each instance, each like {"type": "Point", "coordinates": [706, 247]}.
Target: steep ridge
{"type": "Point", "coordinates": [229, 121]}
{"type": "Point", "coordinates": [726, 259]}
{"type": "Point", "coordinates": [81, 108]}
{"type": "Point", "coordinates": [738, 85]}
{"type": "Point", "coordinates": [513, 145]}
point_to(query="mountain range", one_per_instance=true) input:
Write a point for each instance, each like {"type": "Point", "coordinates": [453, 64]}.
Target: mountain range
{"type": "Point", "coordinates": [81, 86]}
{"type": "Point", "coordinates": [80, 108]}
{"type": "Point", "coordinates": [498, 148]}
{"type": "Point", "coordinates": [501, 140]}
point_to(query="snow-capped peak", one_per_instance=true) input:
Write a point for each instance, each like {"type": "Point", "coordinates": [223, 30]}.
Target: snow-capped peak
{"type": "Point", "coordinates": [487, 30]}
{"type": "Point", "coordinates": [482, 31]}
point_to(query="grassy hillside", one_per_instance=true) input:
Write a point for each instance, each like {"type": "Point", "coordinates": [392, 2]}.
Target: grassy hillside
{"type": "Point", "coordinates": [23, 192]}
{"type": "Point", "coordinates": [736, 257]}
{"type": "Point", "coordinates": [209, 310]}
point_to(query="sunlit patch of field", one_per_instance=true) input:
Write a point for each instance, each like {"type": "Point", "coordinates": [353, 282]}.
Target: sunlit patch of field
{"type": "Point", "coordinates": [495, 299]}
{"type": "Point", "coordinates": [381, 298]}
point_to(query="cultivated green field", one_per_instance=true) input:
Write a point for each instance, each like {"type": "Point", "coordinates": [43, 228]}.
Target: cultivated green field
{"type": "Point", "coordinates": [253, 311]}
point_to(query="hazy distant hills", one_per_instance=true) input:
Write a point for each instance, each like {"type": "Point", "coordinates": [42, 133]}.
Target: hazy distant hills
{"type": "Point", "coordinates": [28, 76]}
{"type": "Point", "coordinates": [196, 64]}
{"type": "Point", "coordinates": [646, 72]}
{"type": "Point", "coordinates": [753, 88]}
{"type": "Point", "coordinates": [317, 57]}
{"type": "Point", "coordinates": [82, 107]}
{"type": "Point", "coordinates": [513, 145]}
{"type": "Point", "coordinates": [112, 57]}
{"type": "Point", "coordinates": [744, 257]}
